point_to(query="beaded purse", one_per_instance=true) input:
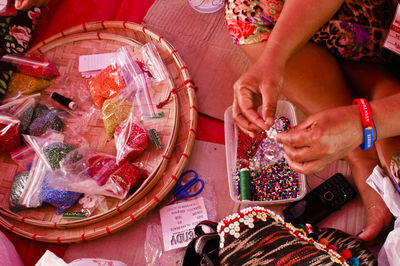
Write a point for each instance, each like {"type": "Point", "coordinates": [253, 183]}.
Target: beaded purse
{"type": "Point", "coordinates": [257, 236]}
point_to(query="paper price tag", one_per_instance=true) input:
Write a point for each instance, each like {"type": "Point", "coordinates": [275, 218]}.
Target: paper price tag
{"type": "Point", "coordinates": [90, 65]}
{"type": "Point", "coordinates": [179, 220]}
{"type": "Point", "coordinates": [392, 41]}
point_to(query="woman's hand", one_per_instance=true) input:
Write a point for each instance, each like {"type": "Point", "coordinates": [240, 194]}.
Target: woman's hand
{"type": "Point", "coordinates": [26, 4]}
{"type": "Point", "coordinates": [322, 138]}
{"type": "Point", "coordinates": [260, 85]}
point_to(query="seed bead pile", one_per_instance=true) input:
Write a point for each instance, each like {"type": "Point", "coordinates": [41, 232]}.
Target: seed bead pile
{"type": "Point", "coordinates": [271, 178]}
{"type": "Point", "coordinates": [55, 152]}
{"type": "Point", "coordinates": [115, 111]}
{"type": "Point", "coordinates": [61, 199]}
{"type": "Point", "coordinates": [107, 84]}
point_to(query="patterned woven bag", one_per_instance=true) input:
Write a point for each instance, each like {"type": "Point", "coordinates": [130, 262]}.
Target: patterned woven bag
{"type": "Point", "coordinates": [257, 236]}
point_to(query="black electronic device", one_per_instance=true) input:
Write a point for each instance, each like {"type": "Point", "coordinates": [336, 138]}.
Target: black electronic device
{"type": "Point", "coordinates": [328, 197]}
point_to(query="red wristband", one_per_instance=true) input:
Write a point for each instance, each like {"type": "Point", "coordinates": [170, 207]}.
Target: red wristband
{"type": "Point", "coordinates": [365, 112]}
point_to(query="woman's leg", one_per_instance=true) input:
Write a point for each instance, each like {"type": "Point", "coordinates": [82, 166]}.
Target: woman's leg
{"type": "Point", "coordinates": [315, 82]}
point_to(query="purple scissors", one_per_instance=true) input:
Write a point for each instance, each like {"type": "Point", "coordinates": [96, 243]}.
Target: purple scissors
{"type": "Point", "coordinates": [181, 191]}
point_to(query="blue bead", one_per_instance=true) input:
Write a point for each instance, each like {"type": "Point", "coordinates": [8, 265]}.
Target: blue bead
{"type": "Point", "coordinates": [354, 261]}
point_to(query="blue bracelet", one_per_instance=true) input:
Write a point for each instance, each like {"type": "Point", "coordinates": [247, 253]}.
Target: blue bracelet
{"type": "Point", "coordinates": [368, 138]}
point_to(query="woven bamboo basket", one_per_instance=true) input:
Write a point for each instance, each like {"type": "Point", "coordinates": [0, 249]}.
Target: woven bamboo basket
{"type": "Point", "coordinates": [176, 131]}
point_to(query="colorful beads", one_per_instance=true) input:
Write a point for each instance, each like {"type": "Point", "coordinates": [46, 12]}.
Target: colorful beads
{"type": "Point", "coordinates": [130, 140]}
{"type": "Point", "coordinates": [18, 187]}
{"type": "Point", "coordinates": [277, 182]}
{"type": "Point", "coordinates": [324, 241]}
{"type": "Point", "coordinates": [346, 254]}
{"type": "Point", "coordinates": [55, 152]}
{"type": "Point", "coordinates": [330, 246]}
{"type": "Point", "coordinates": [107, 84]}
{"type": "Point", "coordinates": [234, 224]}
{"type": "Point", "coordinates": [354, 262]}
{"type": "Point", "coordinates": [115, 111]}
{"type": "Point", "coordinates": [61, 199]}
{"type": "Point", "coordinates": [37, 120]}
{"type": "Point", "coordinates": [271, 178]}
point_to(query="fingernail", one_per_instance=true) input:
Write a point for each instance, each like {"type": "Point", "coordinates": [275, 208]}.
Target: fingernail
{"type": "Point", "coordinates": [269, 121]}
{"type": "Point", "coordinates": [359, 233]}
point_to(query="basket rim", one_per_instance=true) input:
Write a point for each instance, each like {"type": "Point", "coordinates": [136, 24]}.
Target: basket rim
{"type": "Point", "coordinates": [86, 28]}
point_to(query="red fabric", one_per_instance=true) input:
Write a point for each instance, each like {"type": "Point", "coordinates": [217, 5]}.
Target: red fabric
{"type": "Point", "coordinates": [60, 15]}
{"type": "Point", "coordinates": [210, 129]}
{"type": "Point", "coordinates": [31, 251]}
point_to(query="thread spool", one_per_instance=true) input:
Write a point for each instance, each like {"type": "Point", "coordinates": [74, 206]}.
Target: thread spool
{"type": "Point", "coordinates": [245, 175]}
{"type": "Point", "coordinates": [67, 102]}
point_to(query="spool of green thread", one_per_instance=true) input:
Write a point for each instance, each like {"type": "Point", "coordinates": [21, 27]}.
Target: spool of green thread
{"type": "Point", "coordinates": [245, 184]}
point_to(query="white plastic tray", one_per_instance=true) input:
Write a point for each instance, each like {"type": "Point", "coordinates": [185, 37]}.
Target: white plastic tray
{"type": "Point", "coordinates": [284, 108]}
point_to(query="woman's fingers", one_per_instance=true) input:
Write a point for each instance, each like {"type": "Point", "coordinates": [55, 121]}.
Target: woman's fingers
{"type": "Point", "coordinates": [303, 135]}
{"type": "Point", "coordinates": [302, 154]}
{"type": "Point", "coordinates": [244, 124]}
{"type": "Point", "coordinates": [269, 93]}
{"type": "Point", "coordinates": [245, 101]}
{"type": "Point", "coordinates": [307, 167]}
{"type": "Point", "coordinates": [26, 4]}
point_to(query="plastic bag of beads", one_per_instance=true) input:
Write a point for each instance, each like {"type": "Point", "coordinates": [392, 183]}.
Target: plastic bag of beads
{"type": "Point", "coordinates": [21, 106]}
{"type": "Point", "coordinates": [62, 200]}
{"type": "Point", "coordinates": [35, 118]}
{"type": "Point", "coordinates": [115, 77]}
{"type": "Point", "coordinates": [10, 134]}
{"type": "Point", "coordinates": [27, 186]}
{"type": "Point", "coordinates": [44, 119]}
{"type": "Point", "coordinates": [152, 61]}
{"type": "Point", "coordinates": [25, 84]}
{"type": "Point", "coordinates": [100, 174]}
{"type": "Point", "coordinates": [107, 84]}
{"type": "Point", "coordinates": [114, 112]}
{"type": "Point", "coordinates": [54, 147]}
{"type": "Point", "coordinates": [33, 64]}
{"type": "Point", "coordinates": [130, 140]}
{"type": "Point", "coordinates": [269, 151]}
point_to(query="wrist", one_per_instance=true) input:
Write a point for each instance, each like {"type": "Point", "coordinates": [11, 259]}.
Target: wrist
{"type": "Point", "coordinates": [370, 132]}
{"type": "Point", "coordinates": [357, 125]}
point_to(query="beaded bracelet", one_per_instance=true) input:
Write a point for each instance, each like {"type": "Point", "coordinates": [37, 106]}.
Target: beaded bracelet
{"type": "Point", "coordinates": [368, 124]}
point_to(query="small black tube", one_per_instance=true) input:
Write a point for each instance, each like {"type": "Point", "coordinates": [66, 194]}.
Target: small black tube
{"type": "Point", "coordinates": [67, 102]}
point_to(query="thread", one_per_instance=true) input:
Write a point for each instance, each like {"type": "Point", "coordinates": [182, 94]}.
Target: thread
{"type": "Point", "coordinates": [67, 102]}
{"type": "Point", "coordinates": [245, 184]}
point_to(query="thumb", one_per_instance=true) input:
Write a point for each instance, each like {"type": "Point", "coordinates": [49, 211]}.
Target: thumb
{"type": "Point", "coordinates": [269, 103]}
{"type": "Point", "coordinates": [283, 136]}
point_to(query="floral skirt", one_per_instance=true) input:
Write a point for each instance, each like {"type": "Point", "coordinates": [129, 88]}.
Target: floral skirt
{"type": "Point", "coordinates": [15, 35]}
{"type": "Point", "coordinates": [356, 32]}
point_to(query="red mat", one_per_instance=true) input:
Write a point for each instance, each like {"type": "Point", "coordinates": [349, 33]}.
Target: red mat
{"type": "Point", "coordinates": [59, 15]}
{"type": "Point", "coordinates": [63, 14]}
